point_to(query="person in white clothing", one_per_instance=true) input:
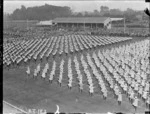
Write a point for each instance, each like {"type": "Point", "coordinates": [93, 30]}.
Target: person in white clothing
{"type": "Point", "coordinates": [105, 94]}
{"type": "Point", "coordinates": [43, 74]}
{"type": "Point", "coordinates": [144, 95]}
{"type": "Point", "coordinates": [148, 102]}
{"type": "Point", "coordinates": [135, 102]}
{"type": "Point", "coordinates": [38, 68]}
{"type": "Point", "coordinates": [81, 87]}
{"type": "Point", "coordinates": [70, 85]}
{"type": "Point", "coordinates": [28, 71]}
{"type": "Point", "coordinates": [91, 91]}
{"type": "Point", "coordinates": [119, 98]}
{"type": "Point", "coordinates": [35, 73]}
{"type": "Point", "coordinates": [131, 97]}
{"type": "Point", "coordinates": [59, 81]}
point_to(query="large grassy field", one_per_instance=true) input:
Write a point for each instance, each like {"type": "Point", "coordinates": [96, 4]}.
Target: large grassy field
{"type": "Point", "coordinates": [23, 91]}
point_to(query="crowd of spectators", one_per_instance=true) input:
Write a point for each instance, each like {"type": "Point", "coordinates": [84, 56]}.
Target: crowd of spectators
{"type": "Point", "coordinates": [34, 33]}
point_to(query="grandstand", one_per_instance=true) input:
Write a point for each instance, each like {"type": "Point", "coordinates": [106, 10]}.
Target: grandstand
{"type": "Point", "coordinates": [91, 22]}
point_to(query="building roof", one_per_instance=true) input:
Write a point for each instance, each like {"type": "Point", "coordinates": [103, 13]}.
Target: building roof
{"type": "Point", "coordinates": [45, 23]}
{"type": "Point", "coordinates": [80, 20]}
{"type": "Point", "coordinates": [117, 19]}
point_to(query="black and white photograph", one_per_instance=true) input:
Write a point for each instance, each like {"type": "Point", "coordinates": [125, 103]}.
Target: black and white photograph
{"type": "Point", "coordinates": [76, 56]}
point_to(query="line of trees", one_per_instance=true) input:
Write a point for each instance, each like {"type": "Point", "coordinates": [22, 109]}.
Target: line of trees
{"type": "Point", "coordinates": [45, 12]}
{"type": "Point", "coordinates": [48, 12]}
{"type": "Point", "coordinates": [129, 13]}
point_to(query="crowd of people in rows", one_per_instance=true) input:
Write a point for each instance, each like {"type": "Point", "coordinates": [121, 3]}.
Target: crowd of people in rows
{"type": "Point", "coordinates": [25, 50]}
{"type": "Point", "coordinates": [125, 69]}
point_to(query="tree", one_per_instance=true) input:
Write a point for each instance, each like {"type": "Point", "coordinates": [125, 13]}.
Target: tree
{"type": "Point", "coordinates": [45, 12]}
{"type": "Point", "coordinates": [79, 14]}
{"type": "Point", "coordinates": [130, 14]}
{"type": "Point", "coordinates": [104, 10]}
{"type": "Point", "coordinates": [115, 12]}
{"type": "Point", "coordinates": [96, 12]}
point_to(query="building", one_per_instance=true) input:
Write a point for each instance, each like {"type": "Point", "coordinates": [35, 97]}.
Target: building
{"type": "Point", "coordinates": [44, 23]}
{"type": "Point", "coordinates": [90, 22]}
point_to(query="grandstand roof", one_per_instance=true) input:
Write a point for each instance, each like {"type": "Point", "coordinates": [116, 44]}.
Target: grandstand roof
{"type": "Point", "coordinates": [81, 20]}
{"type": "Point", "coordinates": [117, 19]}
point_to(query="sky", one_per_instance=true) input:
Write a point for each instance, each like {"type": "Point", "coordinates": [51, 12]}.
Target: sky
{"type": "Point", "coordinates": [78, 5]}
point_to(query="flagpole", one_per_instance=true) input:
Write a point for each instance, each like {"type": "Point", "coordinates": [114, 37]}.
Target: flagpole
{"type": "Point", "coordinates": [84, 24]}
{"type": "Point", "coordinates": [27, 24]}
{"type": "Point", "coordinates": [124, 24]}
{"type": "Point", "coordinates": [84, 21]}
